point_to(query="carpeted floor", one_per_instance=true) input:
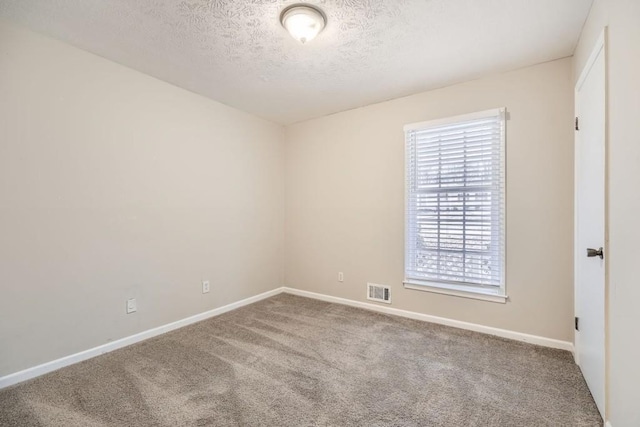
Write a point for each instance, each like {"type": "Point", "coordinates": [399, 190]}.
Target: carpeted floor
{"type": "Point", "coordinates": [292, 361]}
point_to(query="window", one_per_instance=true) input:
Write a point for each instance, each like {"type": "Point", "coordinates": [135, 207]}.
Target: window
{"type": "Point", "coordinates": [455, 215]}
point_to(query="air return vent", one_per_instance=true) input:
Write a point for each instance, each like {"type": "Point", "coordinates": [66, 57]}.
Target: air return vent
{"type": "Point", "coordinates": [379, 293]}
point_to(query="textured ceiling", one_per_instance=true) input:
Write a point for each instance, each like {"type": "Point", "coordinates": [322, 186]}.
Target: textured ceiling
{"type": "Point", "coordinates": [236, 52]}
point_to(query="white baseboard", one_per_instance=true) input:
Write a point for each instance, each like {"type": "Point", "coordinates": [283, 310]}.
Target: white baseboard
{"type": "Point", "coordinates": [47, 367]}
{"type": "Point", "coordinates": [518, 336]}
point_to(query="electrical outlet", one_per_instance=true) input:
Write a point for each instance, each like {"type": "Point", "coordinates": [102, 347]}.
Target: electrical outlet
{"type": "Point", "coordinates": [341, 277]}
{"type": "Point", "coordinates": [205, 287]}
{"type": "Point", "coordinates": [132, 306]}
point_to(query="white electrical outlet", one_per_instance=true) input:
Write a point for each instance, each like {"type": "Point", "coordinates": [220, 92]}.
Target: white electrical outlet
{"type": "Point", "coordinates": [132, 306]}
{"type": "Point", "coordinates": [205, 287]}
{"type": "Point", "coordinates": [341, 277]}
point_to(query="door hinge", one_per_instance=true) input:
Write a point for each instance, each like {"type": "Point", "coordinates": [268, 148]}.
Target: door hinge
{"type": "Point", "coordinates": [577, 124]}
{"type": "Point", "coordinates": [577, 320]}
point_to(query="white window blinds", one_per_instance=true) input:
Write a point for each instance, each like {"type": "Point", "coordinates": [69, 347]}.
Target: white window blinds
{"type": "Point", "coordinates": [455, 186]}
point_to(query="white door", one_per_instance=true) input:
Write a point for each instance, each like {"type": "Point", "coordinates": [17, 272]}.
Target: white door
{"type": "Point", "coordinates": [590, 223]}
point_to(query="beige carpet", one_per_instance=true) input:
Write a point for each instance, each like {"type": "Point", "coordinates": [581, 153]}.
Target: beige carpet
{"type": "Point", "coordinates": [292, 361]}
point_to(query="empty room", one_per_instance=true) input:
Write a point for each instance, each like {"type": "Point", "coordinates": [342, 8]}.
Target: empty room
{"type": "Point", "coordinates": [319, 213]}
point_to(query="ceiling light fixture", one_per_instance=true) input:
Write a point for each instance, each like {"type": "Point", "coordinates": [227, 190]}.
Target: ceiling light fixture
{"type": "Point", "coordinates": [303, 21]}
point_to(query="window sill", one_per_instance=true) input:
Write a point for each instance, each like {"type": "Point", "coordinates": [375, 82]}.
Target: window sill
{"type": "Point", "coordinates": [457, 290]}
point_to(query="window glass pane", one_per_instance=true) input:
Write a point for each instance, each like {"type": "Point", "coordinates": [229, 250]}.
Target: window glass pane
{"type": "Point", "coordinates": [455, 200]}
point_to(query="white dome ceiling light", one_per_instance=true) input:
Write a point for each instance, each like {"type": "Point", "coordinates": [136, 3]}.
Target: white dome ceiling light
{"type": "Point", "coordinates": [303, 21]}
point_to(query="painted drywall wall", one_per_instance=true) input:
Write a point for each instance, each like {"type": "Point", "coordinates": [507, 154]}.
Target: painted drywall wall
{"type": "Point", "coordinates": [115, 185]}
{"type": "Point", "coordinates": [596, 21]}
{"type": "Point", "coordinates": [345, 200]}
{"type": "Point", "coordinates": [622, 17]}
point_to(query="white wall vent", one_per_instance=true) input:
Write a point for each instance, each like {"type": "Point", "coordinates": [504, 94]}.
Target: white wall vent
{"type": "Point", "coordinates": [379, 293]}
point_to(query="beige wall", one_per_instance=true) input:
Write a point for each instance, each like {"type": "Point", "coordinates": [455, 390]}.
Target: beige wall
{"type": "Point", "coordinates": [345, 200]}
{"type": "Point", "coordinates": [623, 66]}
{"type": "Point", "coordinates": [116, 185]}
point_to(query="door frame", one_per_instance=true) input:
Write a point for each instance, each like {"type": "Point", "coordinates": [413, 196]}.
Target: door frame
{"type": "Point", "coordinates": [599, 46]}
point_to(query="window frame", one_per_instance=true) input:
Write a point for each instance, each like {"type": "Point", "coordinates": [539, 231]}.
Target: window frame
{"type": "Point", "coordinates": [491, 293]}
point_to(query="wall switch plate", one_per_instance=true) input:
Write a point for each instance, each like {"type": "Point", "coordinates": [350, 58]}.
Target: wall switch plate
{"type": "Point", "coordinates": [132, 306]}
{"type": "Point", "coordinates": [205, 287]}
{"type": "Point", "coordinates": [341, 277]}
